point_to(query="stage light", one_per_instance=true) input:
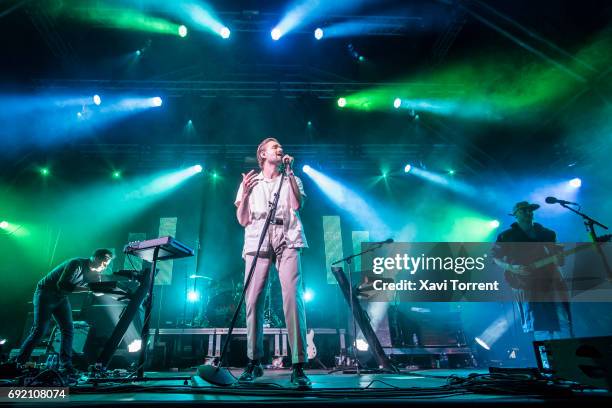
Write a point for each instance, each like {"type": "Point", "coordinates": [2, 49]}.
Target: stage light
{"type": "Point", "coordinates": [97, 100]}
{"type": "Point", "coordinates": [362, 345]}
{"type": "Point", "coordinates": [361, 58]}
{"type": "Point", "coordinates": [214, 175]}
{"type": "Point", "coordinates": [79, 115]}
{"type": "Point", "coordinates": [350, 200]}
{"type": "Point", "coordinates": [318, 33]}
{"type": "Point", "coordinates": [397, 102]}
{"type": "Point", "coordinates": [494, 224]}
{"type": "Point", "coordinates": [309, 123]}
{"type": "Point", "coordinates": [407, 168]}
{"type": "Point", "coordinates": [135, 346]}
{"type": "Point", "coordinates": [341, 102]}
{"type": "Point", "coordinates": [2, 341]}
{"type": "Point", "coordinates": [442, 179]}
{"type": "Point", "coordinates": [575, 182]}
{"type": "Point", "coordinates": [116, 174]}
{"type": "Point", "coordinates": [163, 183]}
{"type": "Point", "coordinates": [4, 224]}
{"type": "Point", "coordinates": [482, 343]}
{"type": "Point", "coordinates": [190, 122]}
{"type": "Point", "coordinates": [225, 32]}
{"type": "Point", "coordinates": [156, 101]}
{"type": "Point", "coordinates": [44, 171]}
{"type": "Point", "coordinates": [193, 296]}
{"type": "Point", "coordinates": [138, 53]}
{"type": "Point", "coordinates": [451, 172]}
{"type": "Point", "coordinates": [182, 31]}
{"type": "Point", "coordinates": [275, 34]}
{"type": "Point", "coordinates": [308, 295]}
{"type": "Point", "coordinates": [126, 18]}
{"type": "Point", "coordinates": [306, 168]}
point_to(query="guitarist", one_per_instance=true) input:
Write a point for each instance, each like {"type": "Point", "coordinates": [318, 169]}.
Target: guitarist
{"type": "Point", "coordinates": [547, 320]}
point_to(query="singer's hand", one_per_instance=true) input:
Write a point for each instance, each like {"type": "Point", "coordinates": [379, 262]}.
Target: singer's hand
{"type": "Point", "coordinates": [248, 182]}
{"type": "Point", "coordinates": [288, 161]}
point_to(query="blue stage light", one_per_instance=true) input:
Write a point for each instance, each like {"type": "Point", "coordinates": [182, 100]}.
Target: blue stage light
{"type": "Point", "coordinates": [193, 296]}
{"type": "Point", "coordinates": [308, 295]}
{"type": "Point", "coordinates": [575, 182]}
{"type": "Point", "coordinates": [275, 34]}
{"type": "Point", "coordinates": [318, 33]}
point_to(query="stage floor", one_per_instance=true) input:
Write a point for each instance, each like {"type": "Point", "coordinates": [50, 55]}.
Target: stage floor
{"type": "Point", "coordinates": [415, 387]}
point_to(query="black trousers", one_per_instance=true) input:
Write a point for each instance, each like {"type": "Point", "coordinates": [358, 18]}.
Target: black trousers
{"type": "Point", "coordinates": [48, 304]}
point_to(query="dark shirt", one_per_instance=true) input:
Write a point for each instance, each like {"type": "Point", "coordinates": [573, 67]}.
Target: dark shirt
{"type": "Point", "coordinates": [516, 234]}
{"type": "Point", "coordinates": [526, 253]}
{"type": "Point", "coordinates": [540, 316]}
{"type": "Point", "coordinates": [67, 276]}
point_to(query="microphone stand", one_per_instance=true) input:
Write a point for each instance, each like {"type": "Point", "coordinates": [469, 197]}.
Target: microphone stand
{"type": "Point", "coordinates": [349, 263]}
{"type": "Point", "coordinates": [590, 223]}
{"type": "Point", "coordinates": [219, 375]}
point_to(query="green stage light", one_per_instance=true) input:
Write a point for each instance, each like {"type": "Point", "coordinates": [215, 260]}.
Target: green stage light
{"type": "Point", "coordinates": [451, 172]}
{"type": "Point", "coordinates": [4, 224]}
{"type": "Point", "coordinates": [125, 19]}
{"type": "Point", "coordinates": [341, 102]}
{"type": "Point", "coordinates": [498, 89]}
{"type": "Point", "coordinates": [116, 174]}
{"type": "Point", "coordinates": [44, 171]}
{"type": "Point", "coordinates": [494, 224]}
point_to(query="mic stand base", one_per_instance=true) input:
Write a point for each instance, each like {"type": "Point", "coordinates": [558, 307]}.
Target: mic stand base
{"type": "Point", "coordinates": [219, 376]}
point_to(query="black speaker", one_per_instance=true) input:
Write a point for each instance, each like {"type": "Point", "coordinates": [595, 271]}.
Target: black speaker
{"type": "Point", "coordinates": [586, 360]}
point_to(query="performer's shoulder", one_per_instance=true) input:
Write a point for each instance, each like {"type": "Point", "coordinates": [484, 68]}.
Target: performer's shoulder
{"type": "Point", "coordinates": [547, 234]}
{"type": "Point", "coordinates": [506, 235]}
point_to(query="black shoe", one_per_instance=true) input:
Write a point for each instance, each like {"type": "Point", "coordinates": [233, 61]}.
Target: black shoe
{"type": "Point", "coordinates": [251, 372]}
{"type": "Point", "coordinates": [299, 377]}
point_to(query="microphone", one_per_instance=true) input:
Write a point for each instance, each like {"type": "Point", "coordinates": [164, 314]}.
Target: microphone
{"type": "Point", "coordinates": [554, 200]}
{"type": "Point", "coordinates": [386, 241]}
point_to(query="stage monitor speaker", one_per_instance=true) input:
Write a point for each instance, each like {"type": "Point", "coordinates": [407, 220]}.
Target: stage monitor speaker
{"type": "Point", "coordinates": [586, 360]}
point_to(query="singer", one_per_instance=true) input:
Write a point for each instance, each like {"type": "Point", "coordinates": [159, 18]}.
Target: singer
{"type": "Point", "coordinates": [282, 246]}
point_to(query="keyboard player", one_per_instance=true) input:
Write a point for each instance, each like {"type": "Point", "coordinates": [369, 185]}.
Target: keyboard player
{"type": "Point", "coordinates": [51, 300]}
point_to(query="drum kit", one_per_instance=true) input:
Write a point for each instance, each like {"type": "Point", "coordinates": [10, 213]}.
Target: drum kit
{"type": "Point", "coordinates": [221, 299]}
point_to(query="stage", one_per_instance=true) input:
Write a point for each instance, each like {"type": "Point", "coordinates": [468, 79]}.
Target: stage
{"type": "Point", "coordinates": [406, 388]}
